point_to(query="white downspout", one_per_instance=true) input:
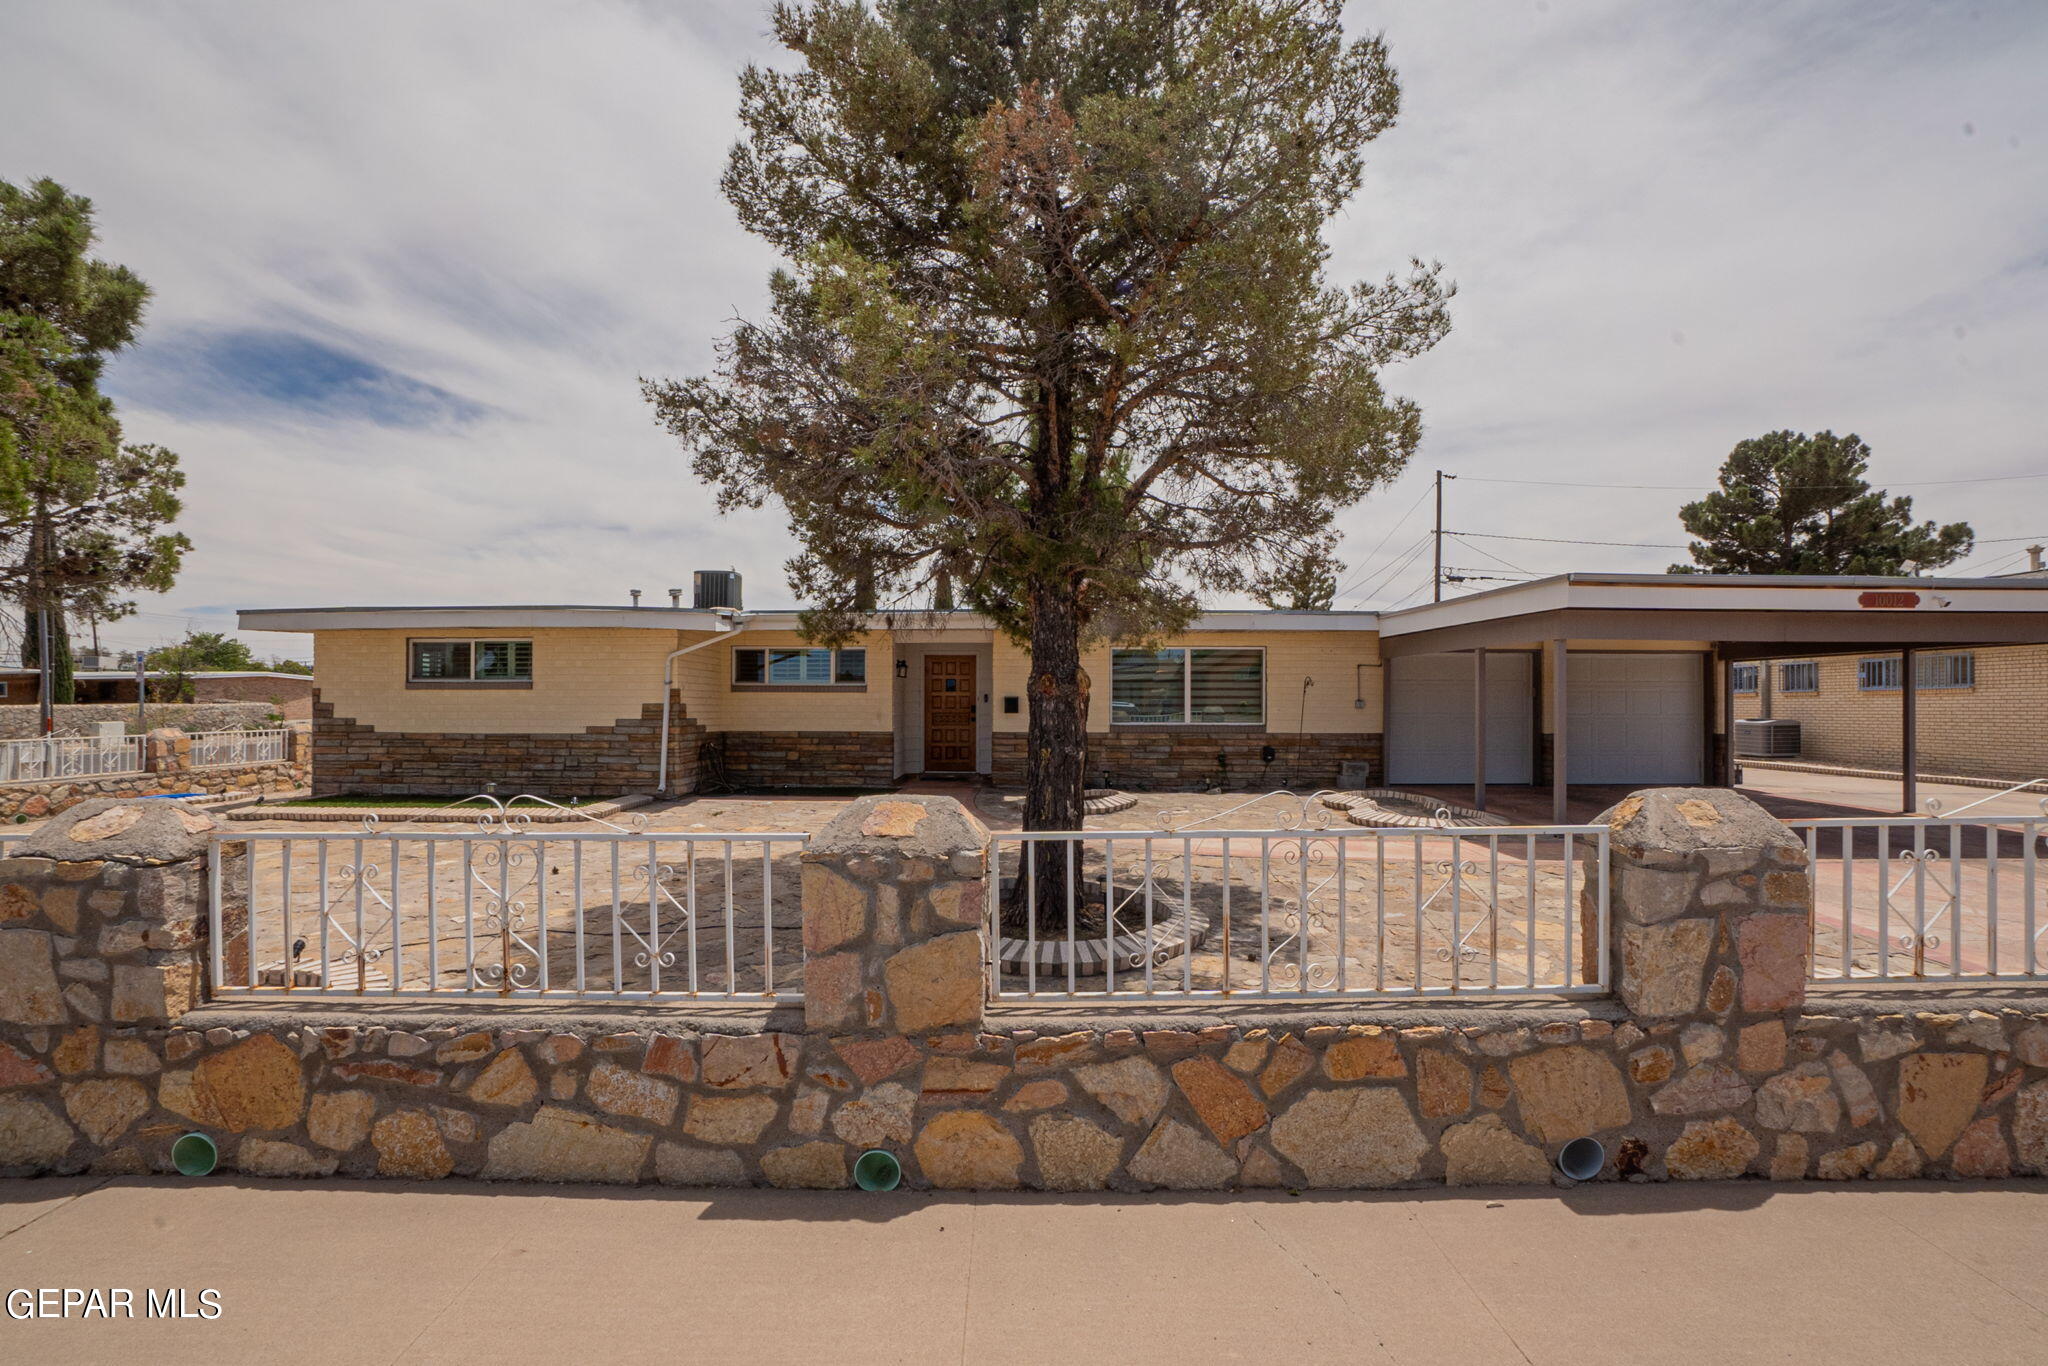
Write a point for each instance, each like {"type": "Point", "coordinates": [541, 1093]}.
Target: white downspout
{"type": "Point", "coordinates": [668, 686]}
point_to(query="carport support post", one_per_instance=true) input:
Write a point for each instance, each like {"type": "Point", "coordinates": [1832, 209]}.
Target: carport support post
{"type": "Point", "coordinates": [1558, 790]}
{"type": "Point", "coordinates": [1479, 729]}
{"type": "Point", "coordinates": [1909, 732]}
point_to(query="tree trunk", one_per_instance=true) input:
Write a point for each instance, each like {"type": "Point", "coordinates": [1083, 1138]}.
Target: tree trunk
{"type": "Point", "coordinates": [1056, 750]}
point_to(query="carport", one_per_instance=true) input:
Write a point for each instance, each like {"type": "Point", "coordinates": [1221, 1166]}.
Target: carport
{"type": "Point", "coordinates": [1626, 678]}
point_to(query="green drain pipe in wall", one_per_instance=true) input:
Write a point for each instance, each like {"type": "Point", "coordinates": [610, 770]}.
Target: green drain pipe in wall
{"type": "Point", "coordinates": [194, 1155]}
{"type": "Point", "coordinates": [875, 1170]}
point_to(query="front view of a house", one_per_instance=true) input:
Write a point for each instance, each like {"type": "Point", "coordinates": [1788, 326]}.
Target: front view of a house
{"type": "Point", "coordinates": [574, 700]}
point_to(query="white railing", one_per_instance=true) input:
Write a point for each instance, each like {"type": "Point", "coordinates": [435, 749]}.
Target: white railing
{"type": "Point", "coordinates": [238, 748]}
{"type": "Point", "coordinates": [1913, 898]}
{"type": "Point", "coordinates": [604, 915]}
{"type": "Point", "coordinates": [69, 756]}
{"type": "Point", "coordinates": [1264, 914]}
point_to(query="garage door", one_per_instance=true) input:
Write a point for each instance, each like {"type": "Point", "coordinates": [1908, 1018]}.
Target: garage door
{"type": "Point", "coordinates": [1429, 719]}
{"type": "Point", "coordinates": [1634, 718]}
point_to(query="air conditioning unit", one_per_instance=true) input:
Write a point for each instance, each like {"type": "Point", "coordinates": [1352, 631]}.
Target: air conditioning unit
{"type": "Point", "coordinates": [715, 588]}
{"type": "Point", "coordinates": [1767, 739]}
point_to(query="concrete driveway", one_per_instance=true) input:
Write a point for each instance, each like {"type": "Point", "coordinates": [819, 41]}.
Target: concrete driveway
{"type": "Point", "coordinates": [353, 1272]}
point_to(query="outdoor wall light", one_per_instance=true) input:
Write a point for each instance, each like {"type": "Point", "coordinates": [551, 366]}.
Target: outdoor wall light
{"type": "Point", "coordinates": [903, 668]}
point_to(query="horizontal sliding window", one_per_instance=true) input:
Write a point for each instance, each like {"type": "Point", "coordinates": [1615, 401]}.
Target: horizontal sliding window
{"type": "Point", "coordinates": [1184, 686]}
{"type": "Point", "coordinates": [800, 666]}
{"type": "Point", "coordinates": [463, 661]}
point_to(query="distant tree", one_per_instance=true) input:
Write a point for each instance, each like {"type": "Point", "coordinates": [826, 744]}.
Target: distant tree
{"type": "Point", "coordinates": [281, 665]}
{"type": "Point", "coordinates": [82, 514]}
{"type": "Point", "coordinates": [1057, 329]}
{"type": "Point", "coordinates": [1304, 580]}
{"type": "Point", "coordinates": [1790, 503]}
{"type": "Point", "coordinates": [205, 652]}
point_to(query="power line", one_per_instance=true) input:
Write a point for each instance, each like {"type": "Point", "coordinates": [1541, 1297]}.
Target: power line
{"type": "Point", "coordinates": [1414, 550]}
{"type": "Point", "coordinates": [1366, 559]}
{"type": "Point", "coordinates": [1561, 540]}
{"type": "Point", "coordinates": [1497, 559]}
{"type": "Point", "coordinates": [1695, 488]}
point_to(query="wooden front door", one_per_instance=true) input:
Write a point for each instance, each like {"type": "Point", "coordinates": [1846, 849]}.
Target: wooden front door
{"type": "Point", "coordinates": [949, 713]}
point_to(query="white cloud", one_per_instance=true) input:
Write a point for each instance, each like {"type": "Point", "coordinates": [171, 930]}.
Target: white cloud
{"type": "Point", "coordinates": [1672, 226]}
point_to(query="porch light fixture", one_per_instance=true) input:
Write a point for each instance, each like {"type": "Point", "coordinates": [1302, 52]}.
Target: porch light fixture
{"type": "Point", "coordinates": [903, 668]}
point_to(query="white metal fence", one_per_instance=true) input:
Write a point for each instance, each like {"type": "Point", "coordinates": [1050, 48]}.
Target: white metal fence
{"type": "Point", "coordinates": [236, 748]}
{"type": "Point", "coordinates": [1263, 914]}
{"type": "Point", "coordinates": [620, 916]}
{"type": "Point", "coordinates": [1912, 898]}
{"type": "Point", "coordinates": [69, 756]}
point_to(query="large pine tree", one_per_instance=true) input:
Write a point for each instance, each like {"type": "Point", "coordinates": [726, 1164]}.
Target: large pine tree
{"type": "Point", "coordinates": [1057, 331]}
{"type": "Point", "coordinates": [1790, 503]}
{"type": "Point", "coordinates": [82, 513]}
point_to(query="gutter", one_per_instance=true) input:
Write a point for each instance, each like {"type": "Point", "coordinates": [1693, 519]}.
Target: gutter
{"type": "Point", "coordinates": [668, 684]}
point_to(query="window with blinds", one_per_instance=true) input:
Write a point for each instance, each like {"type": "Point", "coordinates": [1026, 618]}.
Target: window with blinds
{"type": "Point", "coordinates": [800, 666]}
{"type": "Point", "coordinates": [1801, 677]}
{"type": "Point", "coordinates": [470, 661]}
{"type": "Point", "coordinates": [1148, 687]}
{"type": "Point", "coordinates": [1188, 687]}
{"type": "Point", "coordinates": [1745, 677]}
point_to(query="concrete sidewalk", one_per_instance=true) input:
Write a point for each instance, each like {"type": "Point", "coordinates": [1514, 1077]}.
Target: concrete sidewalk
{"type": "Point", "coordinates": [342, 1271]}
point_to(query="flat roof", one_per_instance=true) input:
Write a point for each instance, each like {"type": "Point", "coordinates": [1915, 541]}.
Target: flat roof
{"type": "Point", "coordinates": [908, 619]}
{"type": "Point", "coordinates": [1788, 613]}
{"type": "Point", "coordinates": [1907, 607]}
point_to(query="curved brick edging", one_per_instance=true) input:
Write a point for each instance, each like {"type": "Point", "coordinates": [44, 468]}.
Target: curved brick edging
{"type": "Point", "coordinates": [1362, 807]}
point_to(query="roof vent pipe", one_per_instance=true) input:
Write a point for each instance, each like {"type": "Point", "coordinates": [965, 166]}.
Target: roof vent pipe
{"type": "Point", "coordinates": [636, 596]}
{"type": "Point", "coordinates": [2034, 564]}
{"type": "Point", "coordinates": [675, 597]}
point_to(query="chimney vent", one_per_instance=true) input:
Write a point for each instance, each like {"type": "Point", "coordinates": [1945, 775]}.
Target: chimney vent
{"type": "Point", "coordinates": [675, 597]}
{"type": "Point", "coordinates": [636, 596]}
{"type": "Point", "coordinates": [2034, 564]}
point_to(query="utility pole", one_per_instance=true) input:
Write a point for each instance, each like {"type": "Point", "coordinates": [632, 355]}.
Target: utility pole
{"type": "Point", "coordinates": [47, 681]}
{"type": "Point", "coordinates": [141, 693]}
{"type": "Point", "coordinates": [1436, 573]}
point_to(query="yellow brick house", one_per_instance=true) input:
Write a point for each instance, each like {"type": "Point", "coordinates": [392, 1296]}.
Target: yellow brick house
{"type": "Point", "coordinates": [1602, 679]}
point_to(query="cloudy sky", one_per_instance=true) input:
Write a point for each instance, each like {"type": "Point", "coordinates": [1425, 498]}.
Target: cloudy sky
{"type": "Point", "coordinates": [409, 260]}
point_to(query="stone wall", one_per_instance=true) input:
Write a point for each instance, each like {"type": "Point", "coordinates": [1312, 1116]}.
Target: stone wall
{"type": "Point", "coordinates": [191, 717]}
{"type": "Point", "coordinates": [1192, 758]}
{"type": "Point", "coordinates": [168, 754]}
{"type": "Point", "coordinates": [1708, 1065]}
{"type": "Point", "coordinates": [598, 761]}
{"type": "Point", "coordinates": [808, 758]}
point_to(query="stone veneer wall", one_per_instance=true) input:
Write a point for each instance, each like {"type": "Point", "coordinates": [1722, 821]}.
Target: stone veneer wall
{"type": "Point", "coordinates": [168, 754]}
{"type": "Point", "coordinates": [84, 718]}
{"type": "Point", "coordinates": [1182, 759]}
{"type": "Point", "coordinates": [598, 761]}
{"type": "Point", "coordinates": [1720, 1070]}
{"type": "Point", "coordinates": [808, 758]}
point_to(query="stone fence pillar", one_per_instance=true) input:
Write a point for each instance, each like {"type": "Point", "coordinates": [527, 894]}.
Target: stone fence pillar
{"type": "Point", "coordinates": [167, 750]}
{"type": "Point", "coordinates": [894, 898]}
{"type": "Point", "coordinates": [103, 918]}
{"type": "Point", "coordinates": [1709, 906]}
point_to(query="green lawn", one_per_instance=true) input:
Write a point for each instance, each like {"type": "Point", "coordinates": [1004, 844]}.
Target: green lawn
{"type": "Point", "coordinates": [396, 803]}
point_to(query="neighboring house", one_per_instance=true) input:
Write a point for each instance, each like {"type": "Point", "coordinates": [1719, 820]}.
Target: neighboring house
{"type": "Point", "coordinates": [1982, 713]}
{"type": "Point", "coordinates": [291, 694]}
{"type": "Point", "coordinates": [569, 700]}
